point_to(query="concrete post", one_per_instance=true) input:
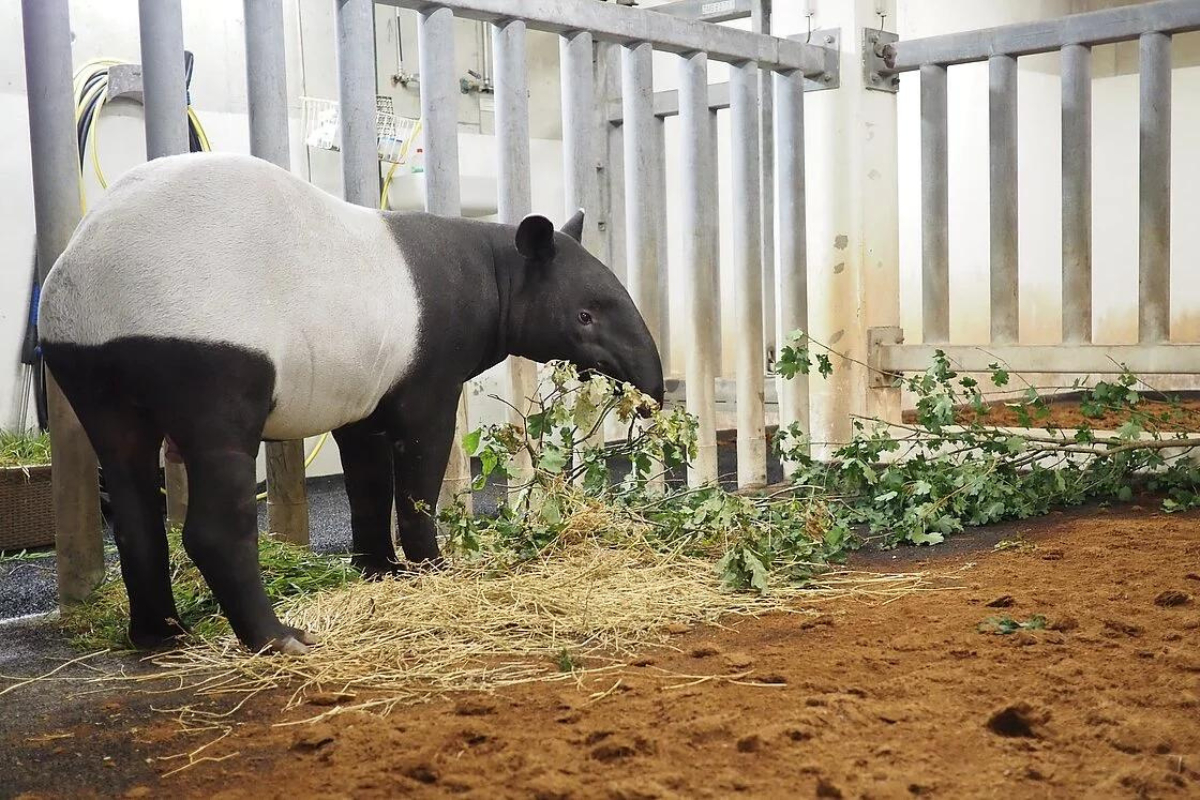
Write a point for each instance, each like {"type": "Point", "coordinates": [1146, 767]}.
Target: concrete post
{"type": "Point", "coordinates": [853, 228]}
{"type": "Point", "coordinates": [56, 203]}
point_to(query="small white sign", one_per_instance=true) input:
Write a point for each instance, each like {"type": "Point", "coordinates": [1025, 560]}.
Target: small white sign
{"type": "Point", "coordinates": [487, 102]}
{"type": "Point", "coordinates": [717, 7]}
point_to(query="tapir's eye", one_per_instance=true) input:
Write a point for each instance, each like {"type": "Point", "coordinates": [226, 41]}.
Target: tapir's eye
{"type": "Point", "coordinates": [585, 318]}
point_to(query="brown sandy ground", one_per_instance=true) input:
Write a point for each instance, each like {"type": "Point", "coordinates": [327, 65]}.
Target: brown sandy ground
{"type": "Point", "coordinates": [869, 700]}
{"type": "Point", "coordinates": [1163, 416]}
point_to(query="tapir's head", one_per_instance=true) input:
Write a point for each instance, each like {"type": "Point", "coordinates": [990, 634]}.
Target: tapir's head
{"type": "Point", "coordinates": [567, 305]}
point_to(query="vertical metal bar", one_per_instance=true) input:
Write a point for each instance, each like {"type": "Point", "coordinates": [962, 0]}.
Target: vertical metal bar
{"type": "Point", "coordinates": [1154, 246]}
{"type": "Point", "coordinates": [164, 92]}
{"type": "Point", "coordinates": [266, 94]}
{"type": "Point", "coordinates": [642, 196]}
{"type": "Point", "coordinates": [659, 221]}
{"type": "Point", "coordinates": [935, 206]}
{"type": "Point", "coordinates": [715, 327]}
{"type": "Point", "coordinates": [791, 229]}
{"type": "Point", "coordinates": [579, 135]}
{"type": "Point", "coordinates": [266, 81]}
{"type": "Point", "coordinates": [439, 112]}
{"type": "Point", "coordinates": [644, 192]}
{"type": "Point", "coordinates": [1076, 194]}
{"type": "Point", "coordinates": [760, 19]}
{"type": "Point", "coordinates": [610, 161]}
{"type": "Point", "coordinates": [356, 98]}
{"type": "Point", "coordinates": [515, 195]}
{"type": "Point", "coordinates": [1002, 144]}
{"type": "Point", "coordinates": [698, 217]}
{"type": "Point", "coordinates": [747, 264]}
{"type": "Point", "coordinates": [164, 84]}
{"type": "Point", "coordinates": [56, 203]}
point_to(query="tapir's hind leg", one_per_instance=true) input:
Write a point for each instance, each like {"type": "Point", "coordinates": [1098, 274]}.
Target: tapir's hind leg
{"type": "Point", "coordinates": [126, 440]}
{"type": "Point", "coordinates": [367, 469]}
{"type": "Point", "coordinates": [127, 446]}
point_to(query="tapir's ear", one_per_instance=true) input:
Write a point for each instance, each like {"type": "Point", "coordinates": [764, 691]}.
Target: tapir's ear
{"type": "Point", "coordinates": [535, 237]}
{"type": "Point", "coordinates": [574, 226]}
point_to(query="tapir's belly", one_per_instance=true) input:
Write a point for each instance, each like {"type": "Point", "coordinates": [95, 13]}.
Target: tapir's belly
{"type": "Point", "coordinates": [280, 269]}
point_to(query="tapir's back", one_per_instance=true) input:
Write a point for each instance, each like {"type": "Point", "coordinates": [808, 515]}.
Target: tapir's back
{"type": "Point", "coordinates": [231, 250]}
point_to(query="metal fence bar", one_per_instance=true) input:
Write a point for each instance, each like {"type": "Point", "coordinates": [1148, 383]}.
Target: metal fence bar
{"type": "Point", "coordinates": [713, 191]}
{"type": "Point", "coordinates": [792, 237]}
{"type": "Point", "coordinates": [935, 206]}
{"type": "Point", "coordinates": [761, 12]}
{"type": "Point", "coordinates": [266, 95]}
{"type": "Point", "coordinates": [609, 22]}
{"type": "Point", "coordinates": [747, 265]}
{"type": "Point", "coordinates": [1154, 250]}
{"type": "Point", "coordinates": [356, 98]}
{"type": "Point", "coordinates": [164, 84]}
{"type": "Point", "coordinates": [439, 115]}
{"type": "Point", "coordinates": [1125, 23]}
{"type": "Point", "coordinates": [1002, 147]}
{"type": "Point", "coordinates": [579, 135]}
{"type": "Point", "coordinates": [54, 153]}
{"type": "Point", "coordinates": [659, 218]}
{"type": "Point", "coordinates": [1076, 194]}
{"type": "Point", "coordinates": [515, 196]}
{"type": "Point", "coordinates": [698, 216]}
{"type": "Point", "coordinates": [1161, 358]}
{"type": "Point", "coordinates": [643, 194]}
{"type": "Point", "coordinates": [164, 97]}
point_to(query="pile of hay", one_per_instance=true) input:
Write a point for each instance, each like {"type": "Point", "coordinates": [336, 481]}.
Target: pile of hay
{"type": "Point", "coordinates": [584, 606]}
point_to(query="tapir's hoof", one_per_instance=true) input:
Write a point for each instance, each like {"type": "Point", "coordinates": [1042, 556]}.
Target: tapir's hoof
{"type": "Point", "coordinates": [373, 569]}
{"type": "Point", "coordinates": [293, 642]}
{"type": "Point", "coordinates": [159, 636]}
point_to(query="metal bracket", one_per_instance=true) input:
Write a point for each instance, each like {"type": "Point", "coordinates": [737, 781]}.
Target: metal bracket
{"type": "Point", "coordinates": [125, 80]}
{"type": "Point", "coordinates": [829, 40]}
{"type": "Point", "coordinates": [876, 73]}
{"type": "Point", "coordinates": [876, 339]}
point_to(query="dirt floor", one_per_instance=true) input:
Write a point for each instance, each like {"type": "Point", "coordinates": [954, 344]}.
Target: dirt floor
{"type": "Point", "coordinates": [868, 700]}
{"type": "Point", "coordinates": [1066, 413]}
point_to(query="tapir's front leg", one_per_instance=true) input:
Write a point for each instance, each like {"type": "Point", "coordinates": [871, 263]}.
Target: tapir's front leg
{"type": "Point", "coordinates": [367, 468]}
{"type": "Point", "coordinates": [425, 434]}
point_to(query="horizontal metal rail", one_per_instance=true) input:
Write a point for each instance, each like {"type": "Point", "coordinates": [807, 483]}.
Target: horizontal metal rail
{"type": "Point", "coordinates": [707, 10]}
{"type": "Point", "coordinates": [1090, 359]}
{"type": "Point", "coordinates": [608, 22]}
{"type": "Point", "coordinates": [1028, 38]}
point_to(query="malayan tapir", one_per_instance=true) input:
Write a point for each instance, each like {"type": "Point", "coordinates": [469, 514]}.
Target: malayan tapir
{"type": "Point", "coordinates": [221, 301]}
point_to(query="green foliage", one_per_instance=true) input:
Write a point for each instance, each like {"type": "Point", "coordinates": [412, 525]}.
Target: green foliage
{"type": "Point", "coordinates": [24, 449]}
{"type": "Point", "coordinates": [565, 661]}
{"type": "Point", "coordinates": [946, 473]}
{"type": "Point", "coordinates": [288, 571]}
{"type": "Point", "coordinates": [1002, 626]}
{"type": "Point", "coordinates": [575, 488]}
